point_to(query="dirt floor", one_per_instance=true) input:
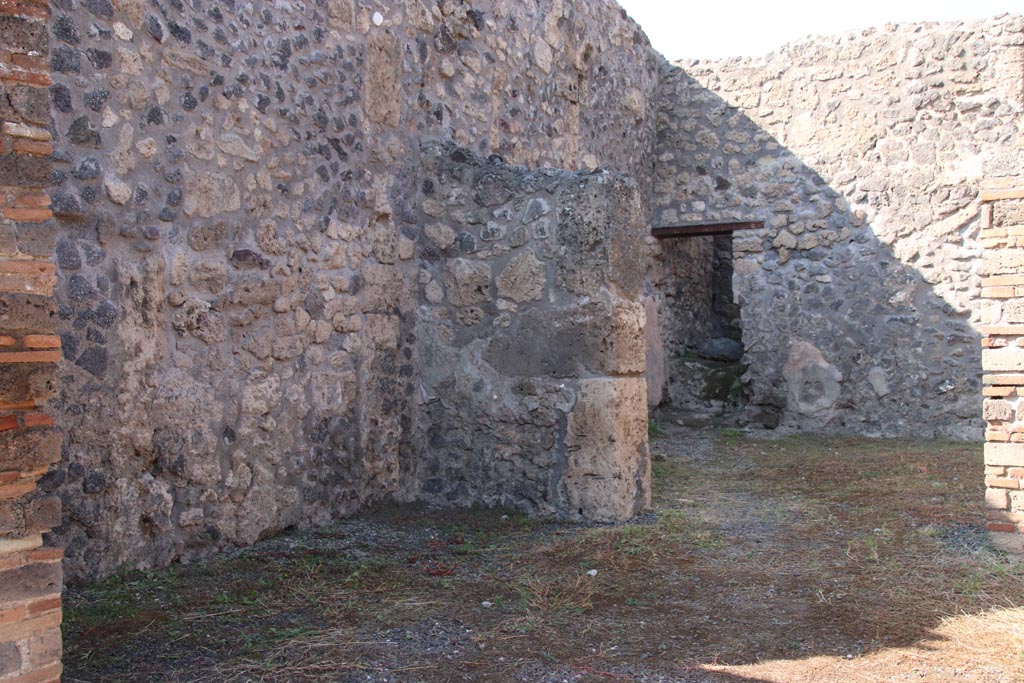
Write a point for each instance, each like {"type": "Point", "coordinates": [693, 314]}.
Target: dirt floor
{"type": "Point", "coordinates": [786, 560]}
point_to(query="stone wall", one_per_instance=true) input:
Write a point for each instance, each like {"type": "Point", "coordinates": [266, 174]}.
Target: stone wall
{"type": "Point", "coordinates": [1002, 271]}
{"type": "Point", "coordinates": [531, 339]}
{"type": "Point", "coordinates": [253, 300]}
{"type": "Point", "coordinates": [30, 571]}
{"type": "Point", "coordinates": [238, 189]}
{"type": "Point", "coordinates": [862, 154]}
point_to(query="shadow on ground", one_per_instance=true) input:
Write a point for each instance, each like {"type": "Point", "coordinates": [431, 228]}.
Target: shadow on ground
{"type": "Point", "coordinates": [763, 560]}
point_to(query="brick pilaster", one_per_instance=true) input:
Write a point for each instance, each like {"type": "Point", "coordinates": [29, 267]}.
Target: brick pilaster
{"type": "Point", "coordinates": [30, 574]}
{"type": "Point", "coordinates": [1002, 271]}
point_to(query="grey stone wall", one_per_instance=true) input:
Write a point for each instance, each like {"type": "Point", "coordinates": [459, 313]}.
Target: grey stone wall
{"type": "Point", "coordinates": [862, 154]}
{"type": "Point", "coordinates": [531, 339]}
{"type": "Point", "coordinates": [262, 315]}
{"type": "Point", "coordinates": [238, 189]}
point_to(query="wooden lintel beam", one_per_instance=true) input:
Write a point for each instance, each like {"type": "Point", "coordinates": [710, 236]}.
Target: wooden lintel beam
{"type": "Point", "coordinates": [704, 229]}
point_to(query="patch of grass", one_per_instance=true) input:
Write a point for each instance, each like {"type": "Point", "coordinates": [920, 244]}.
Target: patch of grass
{"type": "Point", "coordinates": [654, 429]}
{"type": "Point", "coordinates": [120, 598]}
{"type": "Point", "coordinates": [563, 594]}
{"type": "Point", "coordinates": [636, 546]}
{"type": "Point", "coordinates": [102, 612]}
{"type": "Point", "coordinates": [760, 553]}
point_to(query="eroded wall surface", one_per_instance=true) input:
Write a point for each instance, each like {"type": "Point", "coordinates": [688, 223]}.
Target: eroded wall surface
{"type": "Point", "coordinates": [863, 155]}
{"type": "Point", "coordinates": [531, 335]}
{"type": "Point", "coordinates": [238, 190]}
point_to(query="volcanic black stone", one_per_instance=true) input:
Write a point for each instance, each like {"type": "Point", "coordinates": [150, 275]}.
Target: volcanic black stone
{"type": "Point", "coordinates": [65, 30]}
{"type": "Point", "coordinates": [189, 101]}
{"type": "Point", "coordinates": [66, 59]}
{"type": "Point", "coordinates": [180, 33]}
{"type": "Point", "coordinates": [105, 314]}
{"type": "Point", "coordinates": [722, 349]}
{"type": "Point", "coordinates": [68, 257]}
{"type": "Point", "coordinates": [96, 99]}
{"type": "Point", "coordinates": [444, 41]}
{"type": "Point", "coordinates": [155, 28]}
{"type": "Point", "coordinates": [61, 97]}
{"type": "Point", "coordinates": [101, 59]}
{"type": "Point", "coordinates": [83, 132]}
{"type": "Point", "coordinates": [101, 8]}
{"type": "Point", "coordinates": [79, 288]}
{"type": "Point", "coordinates": [87, 169]}
{"type": "Point", "coordinates": [94, 482]}
{"type": "Point", "coordinates": [247, 258]}
{"type": "Point", "coordinates": [66, 205]}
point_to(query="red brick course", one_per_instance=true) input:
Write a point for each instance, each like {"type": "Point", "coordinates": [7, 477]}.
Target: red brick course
{"type": "Point", "coordinates": [1002, 268]}
{"type": "Point", "coordinates": [30, 575]}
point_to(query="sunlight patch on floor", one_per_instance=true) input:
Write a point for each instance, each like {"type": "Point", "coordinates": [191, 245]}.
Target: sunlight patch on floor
{"type": "Point", "coordinates": [979, 647]}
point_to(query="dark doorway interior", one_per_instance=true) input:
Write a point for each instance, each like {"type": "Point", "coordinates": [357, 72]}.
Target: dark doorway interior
{"type": "Point", "coordinates": [701, 324]}
{"type": "Point", "coordinates": [725, 310]}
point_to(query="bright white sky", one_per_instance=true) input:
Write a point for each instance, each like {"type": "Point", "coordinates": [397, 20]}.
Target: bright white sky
{"type": "Point", "coordinates": [704, 29]}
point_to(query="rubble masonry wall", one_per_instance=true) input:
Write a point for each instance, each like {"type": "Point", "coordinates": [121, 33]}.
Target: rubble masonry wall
{"type": "Point", "coordinates": [863, 156]}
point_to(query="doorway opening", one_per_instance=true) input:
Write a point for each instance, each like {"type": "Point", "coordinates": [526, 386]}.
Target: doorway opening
{"type": "Point", "coordinates": [700, 319]}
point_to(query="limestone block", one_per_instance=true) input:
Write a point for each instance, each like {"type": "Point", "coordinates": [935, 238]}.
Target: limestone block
{"type": "Point", "coordinates": [209, 275]}
{"type": "Point", "coordinates": [608, 476]}
{"type": "Point", "coordinates": [878, 378]}
{"type": "Point", "coordinates": [288, 347]}
{"type": "Point", "coordinates": [626, 233]}
{"type": "Point", "coordinates": [259, 398]}
{"type": "Point", "coordinates": [209, 194]}
{"type": "Point", "coordinates": [624, 346]}
{"type": "Point", "coordinates": [542, 55]}
{"type": "Point", "coordinates": [433, 292]}
{"type": "Point", "coordinates": [441, 235]}
{"type": "Point", "coordinates": [233, 145]}
{"type": "Point", "coordinates": [523, 279]}
{"type": "Point", "coordinates": [198, 141]}
{"type": "Point", "coordinates": [383, 79]}
{"type": "Point", "coordinates": [997, 499]}
{"type": "Point", "coordinates": [118, 191]}
{"type": "Point", "coordinates": [1008, 213]}
{"type": "Point", "coordinates": [382, 331]}
{"type": "Point", "coordinates": [785, 239]}
{"type": "Point", "coordinates": [341, 14]}
{"type": "Point", "coordinates": [998, 410]}
{"type": "Point", "coordinates": [1004, 454]}
{"type": "Point", "coordinates": [1007, 359]}
{"type": "Point", "coordinates": [748, 241]}
{"type": "Point", "coordinates": [1013, 311]}
{"type": "Point", "coordinates": [467, 282]}
{"type": "Point", "coordinates": [382, 285]}
{"type": "Point", "coordinates": [814, 385]}
{"type": "Point", "coordinates": [1002, 261]}
{"type": "Point", "coordinates": [196, 317]}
